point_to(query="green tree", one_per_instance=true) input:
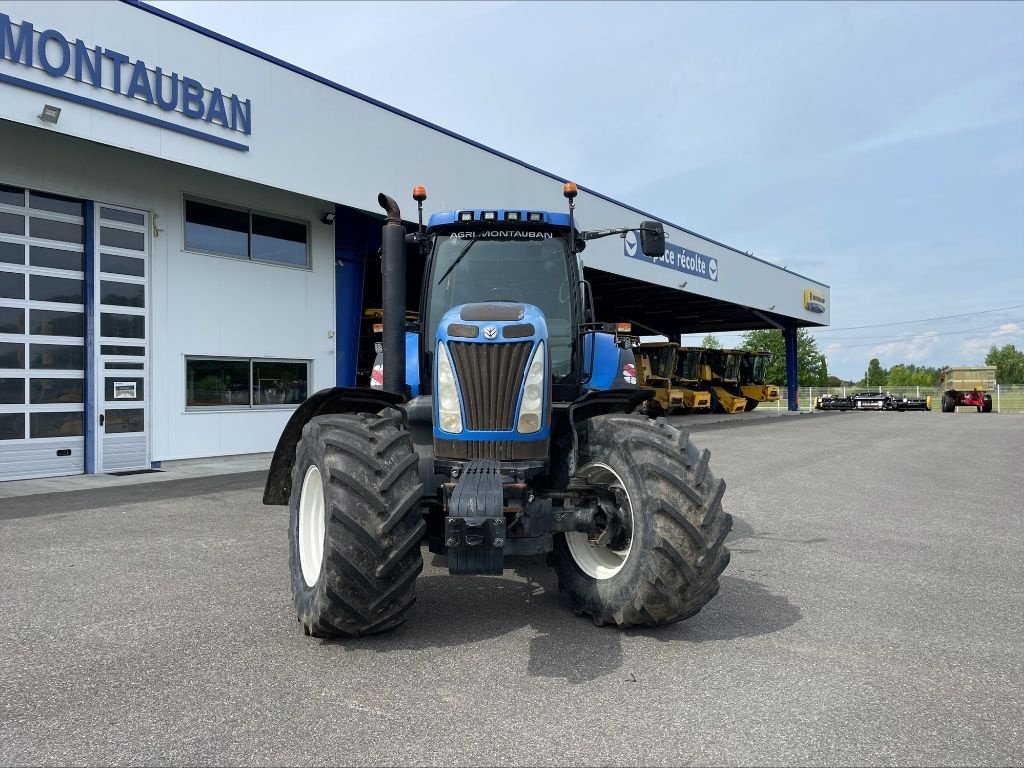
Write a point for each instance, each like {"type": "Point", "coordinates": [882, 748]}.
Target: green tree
{"type": "Point", "coordinates": [812, 367]}
{"type": "Point", "coordinates": [834, 381]}
{"type": "Point", "coordinates": [875, 375]}
{"type": "Point", "coordinates": [899, 376]}
{"type": "Point", "coordinates": [1009, 363]}
{"type": "Point", "coordinates": [924, 379]}
{"type": "Point", "coordinates": [710, 342]}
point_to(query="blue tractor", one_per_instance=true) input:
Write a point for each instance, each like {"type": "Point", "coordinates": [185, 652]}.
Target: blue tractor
{"type": "Point", "coordinates": [504, 427]}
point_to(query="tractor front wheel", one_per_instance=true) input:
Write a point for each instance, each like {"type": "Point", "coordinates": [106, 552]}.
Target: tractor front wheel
{"type": "Point", "coordinates": [659, 557]}
{"type": "Point", "coordinates": [355, 526]}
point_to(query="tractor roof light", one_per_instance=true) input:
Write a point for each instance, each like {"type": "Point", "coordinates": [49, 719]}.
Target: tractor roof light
{"type": "Point", "coordinates": [535, 216]}
{"type": "Point", "coordinates": [569, 190]}
{"type": "Point", "coordinates": [465, 215]}
{"type": "Point", "coordinates": [489, 215]}
{"type": "Point", "coordinates": [512, 216]}
{"type": "Point", "coordinates": [419, 194]}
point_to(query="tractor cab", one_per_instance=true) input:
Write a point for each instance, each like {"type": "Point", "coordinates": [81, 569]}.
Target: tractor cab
{"type": "Point", "coordinates": [752, 375]}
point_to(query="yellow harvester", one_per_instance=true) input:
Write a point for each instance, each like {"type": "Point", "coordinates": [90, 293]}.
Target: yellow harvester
{"type": "Point", "coordinates": [753, 366]}
{"type": "Point", "coordinates": [720, 376]}
{"type": "Point", "coordinates": [673, 373]}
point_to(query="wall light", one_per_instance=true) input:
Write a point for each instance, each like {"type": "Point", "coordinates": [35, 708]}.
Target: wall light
{"type": "Point", "coordinates": [328, 218]}
{"type": "Point", "coordinates": [50, 114]}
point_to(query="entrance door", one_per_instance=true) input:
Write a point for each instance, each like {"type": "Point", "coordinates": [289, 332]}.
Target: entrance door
{"type": "Point", "coordinates": [121, 338]}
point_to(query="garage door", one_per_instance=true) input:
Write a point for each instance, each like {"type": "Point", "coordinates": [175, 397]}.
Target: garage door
{"type": "Point", "coordinates": [42, 334]}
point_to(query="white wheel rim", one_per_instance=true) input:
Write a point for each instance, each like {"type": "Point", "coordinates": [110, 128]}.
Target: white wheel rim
{"type": "Point", "coordinates": [311, 525]}
{"type": "Point", "coordinates": [600, 562]}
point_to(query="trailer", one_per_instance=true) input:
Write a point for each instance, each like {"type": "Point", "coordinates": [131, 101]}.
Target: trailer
{"type": "Point", "coordinates": [968, 385]}
{"type": "Point", "coordinates": [872, 401]}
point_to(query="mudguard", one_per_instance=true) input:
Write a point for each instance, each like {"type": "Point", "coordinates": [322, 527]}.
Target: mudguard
{"type": "Point", "coordinates": [333, 400]}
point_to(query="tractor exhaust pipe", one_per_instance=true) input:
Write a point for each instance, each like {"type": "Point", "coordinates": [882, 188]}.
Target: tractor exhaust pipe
{"type": "Point", "coordinates": [392, 267]}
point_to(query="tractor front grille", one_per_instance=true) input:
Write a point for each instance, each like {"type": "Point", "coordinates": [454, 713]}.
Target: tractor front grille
{"type": "Point", "coordinates": [490, 376]}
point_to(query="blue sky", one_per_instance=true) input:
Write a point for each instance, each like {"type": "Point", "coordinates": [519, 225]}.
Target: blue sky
{"type": "Point", "coordinates": [876, 147]}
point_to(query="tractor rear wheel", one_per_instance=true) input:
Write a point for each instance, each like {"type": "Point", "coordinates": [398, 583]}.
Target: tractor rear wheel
{"type": "Point", "coordinates": [355, 526]}
{"type": "Point", "coordinates": [661, 561]}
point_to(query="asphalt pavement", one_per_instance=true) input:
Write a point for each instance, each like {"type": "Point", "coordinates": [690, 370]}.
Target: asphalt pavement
{"type": "Point", "coordinates": [871, 615]}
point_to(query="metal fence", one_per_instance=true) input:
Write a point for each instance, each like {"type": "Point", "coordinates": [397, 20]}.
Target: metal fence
{"type": "Point", "coordinates": [1004, 399]}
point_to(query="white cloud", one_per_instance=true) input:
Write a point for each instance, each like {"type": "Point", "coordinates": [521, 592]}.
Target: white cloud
{"type": "Point", "coordinates": [1004, 334]}
{"type": "Point", "coordinates": [915, 350]}
{"type": "Point", "coordinates": [1007, 329]}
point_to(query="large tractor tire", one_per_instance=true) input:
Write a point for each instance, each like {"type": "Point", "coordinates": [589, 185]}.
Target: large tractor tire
{"type": "Point", "coordinates": [751, 404]}
{"type": "Point", "coordinates": [948, 404]}
{"type": "Point", "coordinates": [663, 565]}
{"type": "Point", "coordinates": [987, 406]}
{"type": "Point", "coordinates": [355, 525]}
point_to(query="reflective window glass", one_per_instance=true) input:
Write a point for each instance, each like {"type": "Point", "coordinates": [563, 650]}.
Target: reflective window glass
{"type": "Point", "coordinates": [122, 326]}
{"type": "Point", "coordinates": [12, 391]}
{"type": "Point", "coordinates": [12, 195]}
{"type": "Point", "coordinates": [61, 289]}
{"type": "Point", "coordinates": [12, 320]}
{"type": "Point", "coordinates": [124, 366]}
{"type": "Point", "coordinates": [12, 223]}
{"type": "Point", "coordinates": [50, 322]}
{"type": "Point", "coordinates": [125, 388]}
{"type": "Point", "coordinates": [12, 285]}
{"type": "Point", "coordinates": [56, 258]}
{"type": "Point", "coordinates": [12, 253]}
{"type": "Point", "coordinates": [111, 349]}
{"type": "Point", "coordinates": [56, 424]}
{"type": "Point", "coordinates": [123, 238]}
{"type": "Point", "coordinates": [216, 229]}
{"type": "Point", "coordinates": [216, 382]}
{"type": "Point", "coordinates": [128, 217]}
{"type": "Point", "coordinates": [120, 420]}
{"type": "Point", "coordinates": [279, 383]}
{"type": "Point", "coordinates": [280, 241]}
{"type": "Point", "coordinates": [48, 229]}
{"type": "Point", "coordinates": [55, 203]}
{"type": "Point", "coordinates": [122, 294]}
{"type": "Point", "coordinates": [50, 391]}
{"type": "Point", "coordinates": [12, 426]}
{"type": "Point", "coordinates": [122, 265]}
{"type": "Point", "coordinates": [58, 357]}
{"type": "Point", "coordinates": [12, 355]}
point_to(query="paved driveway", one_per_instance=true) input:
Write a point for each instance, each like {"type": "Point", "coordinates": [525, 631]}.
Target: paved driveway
{"type": "Point", "coordinates": [871, 615]}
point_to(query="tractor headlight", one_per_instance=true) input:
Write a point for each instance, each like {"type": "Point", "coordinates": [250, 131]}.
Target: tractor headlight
{"type": "Point", "coordinates": [533, 394]}
{"type": "Point", "coordinates": [449, 416]}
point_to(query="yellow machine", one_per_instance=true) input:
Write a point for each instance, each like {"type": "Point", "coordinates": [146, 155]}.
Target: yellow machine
{"type": "Point", "coordinates": [720, 374]}
{"type": "Point", "coordinates": [672, 372]}
{"type": "Point", "coordinates": [753, 366]}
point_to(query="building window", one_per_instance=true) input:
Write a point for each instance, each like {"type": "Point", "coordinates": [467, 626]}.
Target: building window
{"type": "Point", "coordinates": [242, 233]}
{"type": "Point", "coordinates": [245, 382]}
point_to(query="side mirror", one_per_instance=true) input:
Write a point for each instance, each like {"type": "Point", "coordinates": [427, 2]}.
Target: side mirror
{"type": "Point", "coordinates": [652, 238]}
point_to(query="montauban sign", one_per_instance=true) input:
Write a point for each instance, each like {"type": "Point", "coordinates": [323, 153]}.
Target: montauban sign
{"type": "Point", "coordinates": [50, 51]}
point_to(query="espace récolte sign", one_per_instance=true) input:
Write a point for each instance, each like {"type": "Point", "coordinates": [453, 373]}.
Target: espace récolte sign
{"type": "Point", "coordinates": [49, 50]}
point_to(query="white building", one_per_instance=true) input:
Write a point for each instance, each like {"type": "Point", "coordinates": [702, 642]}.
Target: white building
{"type": "Point", "coordinates": [169, 284]}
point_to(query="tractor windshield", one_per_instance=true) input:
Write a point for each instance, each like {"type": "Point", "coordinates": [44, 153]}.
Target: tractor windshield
{"type": "Point", "coordinates": [760, 368]}
{"type": "Point", "coordinates": [470, 267]}
{"type": "Point", "coordinates": [731, 367]}
{"type": "Point", "coordinates": [687, 366]}
{"type": "Point", "coordinates": [662, 360]}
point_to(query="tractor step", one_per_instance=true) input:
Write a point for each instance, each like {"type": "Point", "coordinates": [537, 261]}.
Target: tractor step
{"type": "Point", "coordinates": [474, 528]}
